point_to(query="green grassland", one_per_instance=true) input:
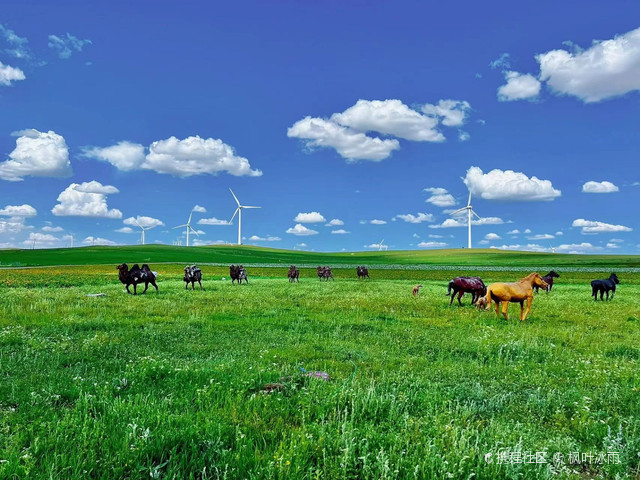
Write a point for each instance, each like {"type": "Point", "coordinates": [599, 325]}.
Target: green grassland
{"type": "Point", "coordinates": [170, 384]}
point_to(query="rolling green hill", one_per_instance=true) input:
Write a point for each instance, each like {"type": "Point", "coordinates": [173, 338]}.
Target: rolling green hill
{"type": "Point", "coordinates": [228, 254]}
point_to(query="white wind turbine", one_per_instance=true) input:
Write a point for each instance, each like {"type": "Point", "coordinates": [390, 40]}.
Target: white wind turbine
{"type": "Point", "coordinates": [470, 211]}
{"type": "Point", "coordinates": [239, 213]}
{"type": "Point", "coordinates": [144, 229]}
{"type": "Point", "coordinates": [189, 227]}
{"type": "Point", "coordinates": [380, 245]}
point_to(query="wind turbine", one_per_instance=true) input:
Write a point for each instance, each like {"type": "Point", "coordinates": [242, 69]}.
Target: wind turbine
{"type": "Point", "coordinates": [144, 229]}
{"type": "Point", "coordinates": [470, 211]}
{"type": "Point", "coordinates": [239, 213]}
{"type": "Point", "coordinates": [380, 245]}
{"type": "Point", "coordinates": [188, 225]}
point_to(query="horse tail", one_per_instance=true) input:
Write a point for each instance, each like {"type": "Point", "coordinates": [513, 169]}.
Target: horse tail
{"type": "Point", "coordinates": [449, 288]}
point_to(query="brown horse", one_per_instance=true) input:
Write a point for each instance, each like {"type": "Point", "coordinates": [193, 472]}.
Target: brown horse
{"type": "Point", "coordinates": [514, 292]}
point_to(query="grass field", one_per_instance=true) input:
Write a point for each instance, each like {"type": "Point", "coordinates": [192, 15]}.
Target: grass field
{"type": "Point", "coordinates": [168, 384]}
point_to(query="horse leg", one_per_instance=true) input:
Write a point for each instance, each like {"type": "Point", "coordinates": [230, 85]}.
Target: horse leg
{"type": "Point", "coordinates": [460, 294]}
{"type": "Point", "coordinates": [505, 309]}
{"type": "Point", "coordinates": [200, 285]}
{"type": "Point", "coordinates": [146, 285]}
{"type": "Point", "coordinates": [128, 291]}
{"type": "Point", "coordinates": [526, 313]}
{"type": "Point", "coordinates": [135, 288]}
{"type": "Point", "coordinates": [602, 295]}
{"type": "Point", "coordinates": [497, 308]}
{"type": "Point", "coordinates": [186, 286]}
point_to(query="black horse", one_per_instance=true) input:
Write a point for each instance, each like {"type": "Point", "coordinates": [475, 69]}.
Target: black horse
{"type": "Point", "coordinates": [603, 286]}
{"type": "Point", "coordinates": [474, 285]}
{"type": "Point", "coordinates": [192, 274]}
{"type": "Point", "coordinates": [135, 276]}
{"type": "Point", "coordinates": [548, 278]}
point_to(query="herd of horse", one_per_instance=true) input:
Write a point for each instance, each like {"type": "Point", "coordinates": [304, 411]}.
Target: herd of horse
{"type": "Point", "coordinates": [502, 294]}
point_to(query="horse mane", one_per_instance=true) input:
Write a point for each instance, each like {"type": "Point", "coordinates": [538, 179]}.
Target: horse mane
{"type": "Point", "coordinates": [529, 277]}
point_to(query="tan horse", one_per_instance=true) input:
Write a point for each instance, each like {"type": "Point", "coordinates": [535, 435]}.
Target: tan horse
{"type": "Point", "coordinates": [514, 292]}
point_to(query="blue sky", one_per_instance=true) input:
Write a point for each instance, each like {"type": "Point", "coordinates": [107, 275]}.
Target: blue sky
{"type": "Point", "coordinates": [348, 123]}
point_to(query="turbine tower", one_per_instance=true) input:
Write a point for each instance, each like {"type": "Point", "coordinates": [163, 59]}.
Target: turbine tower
{"type": "Point", "coordinates": [189, 227]}
{"type": "Point", "coordinates": [144, 229]}
{"type": "Point", "coordinates": [239, 213]}
{"type": "Point", "coordinates": [470, 211]}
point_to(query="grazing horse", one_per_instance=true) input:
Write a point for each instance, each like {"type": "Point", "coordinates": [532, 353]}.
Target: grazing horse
{"type": "Point", "coordinates": [603, 286]}
{"type": "Point", "coordinates": [135, 276]}
{"type": "Point", "coordinates": [514, 292]}
{"type": "Point", "coordinates": [474, 285]}
{"type": "Point", "coordinates": [362, 272]}
{"type": "Point", "coordinates": [416, 290]}
{"type": "Point", "coordinates": [548, 278]}
{"type": "Point", "coordinates": [192, 274]}
{"type": "Point", "coordinates": [293, 274]}
{"type": "Point", "coordinates": [238, 272]}
{"type": "Point", "coordinates": [324, 272]}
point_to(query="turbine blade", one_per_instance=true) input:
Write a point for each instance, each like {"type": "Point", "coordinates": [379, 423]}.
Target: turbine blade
{"type": "Point", "coordinates": [180, 226]}
{"type": "Point", "coordinates": [190, 215]}
{"type": "Point", "coordinates": [193, 231]}
{"type": "Point", "coordinates": [234, 196]}
{"type": "Point", "coordinates": [459, 210]}
{"type": "Point", "coordinates": [137, 223]}
{"type": "Point", "coordinates": [477, 216]}
{"type": "Point", "coordinates": [234, 214]}
{"type": "Point", "coordinates": [469, 202]}
{"type": "Point", "coordinates": [247, 206]}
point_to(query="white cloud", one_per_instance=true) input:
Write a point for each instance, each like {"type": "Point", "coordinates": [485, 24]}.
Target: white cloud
{"type": "Point", "coordinates": [492, 236]}
{"type": "Point", "coordinates": [519, 86]}
{"type": "Point", "coordinates": [375, 221]}
{"type": "Point", "coordinates": [462, 222]}
{"type": "Point", "coordinates": [19, 211]}
{"type": "Point", "coordinates": [440, 197]}
{"type": "Point", "coordinates": [541, 236]}
{"type": "Point", "coordinates": [10, 74]}
{"type": "Point", "coordinates": [508, 186]}
{"type": "Point", "coordinates": [390, 117]}
{"type": "Point", "coordinates": [349, 144]}
{"type": "Point", "coordinates": [301, 230]}
{"type": "Point", "coordinates": [432, 244]}
{"type": "Point", "coordinates": [199, 209]}
{"type": "Point", "coordinates": [195, 156]}
{"type": "Point", "coordinates": [421, 217]}
{"type": "Point", "coordinates": [65, 45]}
{"type": "Point", "coordinates": [613, 245]}
{"type": "Point", "coordinates": [577, 248]}
{"type": "Point", "coordinates": [527, 230]}
{"type": "Point", "coordinates": [502, 62]}
{"type": "Point", "coordinates": [88, 199]}
{"type": "Point", "coordinates": [213, 221]}
{"type": "Point", "coordinates": [599, 187]}
{"type": "Point", "coordinates": [125, 230]}
{"type": "Point", "coordinates": [340, 231]}
{"type": "Point", "coordinates": [336, 222]}
{"type": "Point", "coordinates": [452, 112]}
{"type": "Point", "coordinates": [98, 241]}
{"type": "Point", "coordinates": [463, 136]}
{"type": "Point", "coordinates": [19, 45]}
{"type": "Point", "coordinates": [201, 243]}
{"type": "Point", "coordinates": [143, 221]}
{"type": "Point", "coordinates": [311, 217]}
{"type": "Point", "coordinates": [514, 232]}
{"type": "Point", "coordinates": [616, 240]}
{"type": "Point", "coordinates": [51, 229]}
{"type": "Point", "coordinates": [256, 238]}
{"type": "Point", "coordinates": [606, 69]}
{"type": "Point", "coordinates": [124, 155]}
{"type": "Point", "coordinates": [589, 226]}
{"type": "Point", "coordinates": [37, 154]}
{"type": "Point", "coordinates": [41, 239]}
{"type": "Point", "coordinates": [377, 246]}
{"type": "Point", "coordinates": [13, 225]}
{"type": "Point", "coordinates": [531, 247]}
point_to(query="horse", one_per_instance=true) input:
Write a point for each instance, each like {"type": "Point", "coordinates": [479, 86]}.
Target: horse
{"type": "Point", "coordinates": [603, 286]}
{"type": "Point", "coordinates": [548, 278]}
{"type": "Point", "coordinates": [135, 276]}
{"type": "Point", "coordinates": [362, 272]}
{"type": "Point", "coordinates": [514, 292]}
{"type": "Point", "coordinates": [416, 290]}
{"type": "Point", "coordinates": [192, 274]}
{"type": "Point", "coordinates": [460, 285]}
{"type": "Point", "coordinates": [324, 272]}
{"type": "Point", "coordinates": [293, 274]}
{"type": "Point", "coordinates": [238, 272]}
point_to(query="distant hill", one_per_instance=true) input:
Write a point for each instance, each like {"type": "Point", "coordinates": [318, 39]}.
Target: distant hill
{"type": "Point", "coordinates": [228, 254]}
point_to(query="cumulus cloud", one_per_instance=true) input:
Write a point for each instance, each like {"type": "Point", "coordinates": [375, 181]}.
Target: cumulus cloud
{"type": "Point", "coordinates": [346, 132]}
{"type": "Point", "coordinates": [51, 229]}
{"type": "Point", "coordinates": [10, 74]}
{"type": "Point", "coordinates": [607, 69]}
{"type": "Point", "coordinates": [199, 209]}
{"type": "Point", "coordinates": [531, 247]}
{"type": "Point", "coordinates": [123, 155]}
{"type": "Point", "coordinates": [462, 222]}
{"type": "Point", "coordinates": [377, 246]}
{"type": "Point", "coordinates": [301, 230]}
{"type": "Point", "coordinates": [125, 230]}
{"type": "Point", "coordinates": [13, 225]}
{"type": "Point", "coordinates": [38, 154]}
{"type": "Point", "coordinates": [350, 144]}
{"type": "Point", "coordinates": [65, 45]}
{"type": "Point", "coordinates": [213, 221]}
{"type": "Point", "coordinates": [142, 221]}
{"type": "Point", "coordinates": [41, 240]}
{"type": "Point", "coordinates": [508, 186]}
{"type": "Point", "coordinates": [375, 221]}
{"type": "Point", "coordinates": [98, 241]}
{"type": "Point", "coordinates": [432, 244]}
{"type": "Point", "coordinates": [589, 226]}
{"type": "Point", "coordinates": [519, 86]}
{"type": "Point", "coordinates": [340, 231]}
{"type": "Point", "coordinates": [18, 211]}
{"type": "Point", "coordinates": [492, 236]}
{"type": "Point", "coordinates": [419, 218]}
{"type": "Point", "coordinates": [541, 236]}
{"type": "Point", "coordinates": [256, 238]}
{"type": "Point", "coordinates": [88, 199]}
{"type": "Point", "coordinates": [440, 197]}
{"type": "Point", "coordinates": [452, 113]}
{"type": "Point", "coordinates": [583, 247]}
{"type": "Point", "coordinates": [336, 222]}
{"type": "Point", "coordinates": [514, 232]}
{"type": "Point", "coordinates": [599, 187]}
{"type": "Point", "coordinates": [311, 217]}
